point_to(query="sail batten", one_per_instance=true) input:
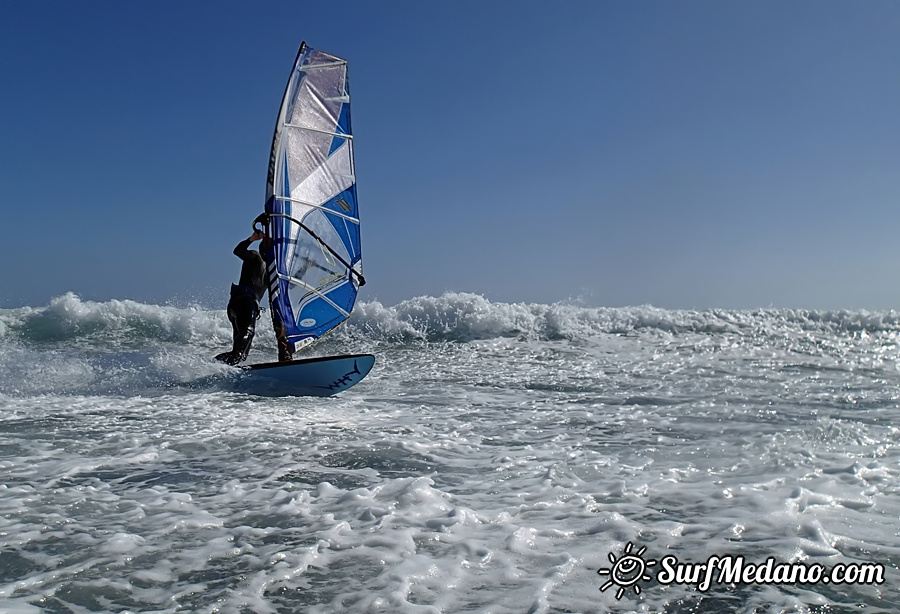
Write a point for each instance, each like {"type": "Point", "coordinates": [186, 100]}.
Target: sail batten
{"type": "Point", "coordinates": [346, 218]}
{"type": "Point", "coordinates": [337, 134]}
{"type": "Point", "coordinates": [315, 264]}
{"type": "Point", "coordinates": [327, 65]}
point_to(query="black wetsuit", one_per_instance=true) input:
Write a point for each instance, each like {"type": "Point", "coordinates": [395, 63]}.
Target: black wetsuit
{"type": "Point", "coordinates": [243, 307]}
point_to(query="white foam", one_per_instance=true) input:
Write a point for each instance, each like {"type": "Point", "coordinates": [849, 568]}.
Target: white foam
{"type": "Point", "coordinates": [493, 461]}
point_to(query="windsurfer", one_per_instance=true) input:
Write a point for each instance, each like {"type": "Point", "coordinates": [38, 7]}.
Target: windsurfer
{"type": "Point", "coordinates": [243, 306]}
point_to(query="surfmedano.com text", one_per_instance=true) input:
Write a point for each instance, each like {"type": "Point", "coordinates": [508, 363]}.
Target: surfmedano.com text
{"type": "Point", "coordinates": [735, 570]}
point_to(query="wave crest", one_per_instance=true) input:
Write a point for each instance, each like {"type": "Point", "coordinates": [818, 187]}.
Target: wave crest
{"type": "Point", "coordinates": [466, 317]}
{"type": "Point", "coordinates": [124, 322]}
{"type": "Point", "coordinates": [455, 317]}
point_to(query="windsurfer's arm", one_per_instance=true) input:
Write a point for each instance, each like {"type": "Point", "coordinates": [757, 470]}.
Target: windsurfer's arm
{"type": "Point", "coordinates": [241, 250]}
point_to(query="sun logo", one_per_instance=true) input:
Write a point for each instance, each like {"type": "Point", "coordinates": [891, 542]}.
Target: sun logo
{"type": "Point", "coordinates": [626, 571]}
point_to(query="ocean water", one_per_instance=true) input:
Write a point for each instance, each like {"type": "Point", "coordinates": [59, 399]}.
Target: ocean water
{"type": "Point", "coordinates": [500, 458]}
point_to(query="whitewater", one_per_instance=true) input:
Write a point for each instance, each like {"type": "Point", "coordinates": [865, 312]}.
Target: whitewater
{"type": "Point", "coordinates": [500, 458]}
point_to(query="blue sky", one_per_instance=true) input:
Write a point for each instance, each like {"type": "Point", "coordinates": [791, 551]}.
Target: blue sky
{"type": "Point", "coordinates": [682, 154]}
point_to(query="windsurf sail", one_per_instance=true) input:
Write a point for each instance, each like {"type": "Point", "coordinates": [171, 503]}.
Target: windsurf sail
{"type": "Point", "coordinates": [315, 262]}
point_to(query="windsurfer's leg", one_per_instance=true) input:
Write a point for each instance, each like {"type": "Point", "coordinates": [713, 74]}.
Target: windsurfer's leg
{"type": "Point", "coordinates": [285, 350]}
{"type": "Point", "coordinates": [285, 347]}
{"type": "Point", "coordinates": [246, 311]}
{"type": "Point", "coordinates": [230, 356]}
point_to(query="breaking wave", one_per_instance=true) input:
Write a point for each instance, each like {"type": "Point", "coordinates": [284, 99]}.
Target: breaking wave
{"type": "Point", "coordinates": [455, 317]}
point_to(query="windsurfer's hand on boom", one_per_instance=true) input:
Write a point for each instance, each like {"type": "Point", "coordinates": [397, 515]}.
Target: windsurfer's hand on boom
{"type": "Point", "coordinates": [256, 236]}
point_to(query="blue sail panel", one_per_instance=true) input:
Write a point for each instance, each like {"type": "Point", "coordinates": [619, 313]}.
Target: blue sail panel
{"type": "Point", "coordinates": [319, 315]}
{"type": "Point", "coordinates": [315, 266]}
{"type": "Point", "coordinates": [343, 127]}
{"type": "Point", "coordinates": [343, 206]}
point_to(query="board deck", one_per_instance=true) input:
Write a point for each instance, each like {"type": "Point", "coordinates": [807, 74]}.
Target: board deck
{"type": "Point", "coordinates": [322, 376]}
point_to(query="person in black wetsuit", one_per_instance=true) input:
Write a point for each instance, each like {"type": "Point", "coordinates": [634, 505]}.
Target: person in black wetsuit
{"type": "Point", "coordinates": [243, 307]}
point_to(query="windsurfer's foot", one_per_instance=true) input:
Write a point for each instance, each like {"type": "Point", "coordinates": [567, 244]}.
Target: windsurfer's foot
{"type": "Point", "coordinates": [231, 358]}
{"type": "Point", "coordinates": [227, 358]}
{"type": "Point", "coordinates": [285, 352]}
